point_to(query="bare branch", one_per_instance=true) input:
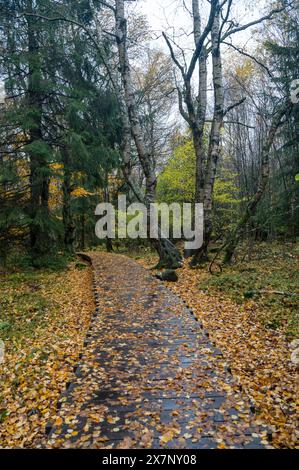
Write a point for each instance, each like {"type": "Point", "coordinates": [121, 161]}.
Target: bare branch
{"type": "Point", "coordinates": [233, 122]}
{"type": "Point", "coordinates": [181, 108]}
{"type": "Point", "coordinates": [201, 40]}
{"type": "Point", "coordinates": [255, 22]}
{"type": "Point", "coordinates": [226, 16]}
{"type": "Point", "coordinates": [241, 51]}
{"type": "Point", "coordinates": [175, 60]}
{"type": "Point", "coordinates": [107, 5]}
{"type": "Point", "coordinates": [234, 105]}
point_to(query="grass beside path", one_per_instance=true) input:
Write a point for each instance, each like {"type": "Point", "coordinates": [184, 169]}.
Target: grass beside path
{"type": "Point", "coordinates": [44, 316]}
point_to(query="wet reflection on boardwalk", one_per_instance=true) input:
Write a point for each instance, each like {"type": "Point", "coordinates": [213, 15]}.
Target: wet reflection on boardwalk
{"type": "Point", "coordinates": [149, 376]}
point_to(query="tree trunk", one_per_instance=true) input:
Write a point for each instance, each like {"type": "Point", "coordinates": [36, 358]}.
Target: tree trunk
{"type": "Point", "coordinates": [200, 114]}
{"type": "Point", "coordinates": [68, 222]}
{"type": "Point", "coordinates": [168, 254]}
{"type": "Point", "coordinates": [205, 187]}
{"type": "Point", "coordinates": [195, 113]}
{"type": "Point", "coordinates": [109, 246]}
{"type": "Point", "coordinates": [82, 238]}
{"type": "Point", "coordinates": [126, 156]}
{"type": "Point", "coordinates": [39, 177]}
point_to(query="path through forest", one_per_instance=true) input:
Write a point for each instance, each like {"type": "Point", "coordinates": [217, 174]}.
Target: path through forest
{"type": "Point", "coordinates": [149, 375]}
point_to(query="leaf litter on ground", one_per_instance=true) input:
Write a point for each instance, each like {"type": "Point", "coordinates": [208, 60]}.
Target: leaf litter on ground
{"type": "Point", "coordinates": [259, 357]}
{"type": "Point", "coordinates": [46, 316]}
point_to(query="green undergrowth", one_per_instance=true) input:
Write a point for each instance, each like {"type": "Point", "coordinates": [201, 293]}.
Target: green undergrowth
{"type": "Point", "coordinates": [273, 269]}
{"type": "Point", "coordinates": [25, 306]}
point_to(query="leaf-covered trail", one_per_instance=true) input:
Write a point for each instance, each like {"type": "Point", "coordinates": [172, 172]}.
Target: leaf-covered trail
{"type": "Point", "coordinates": [149, 375]}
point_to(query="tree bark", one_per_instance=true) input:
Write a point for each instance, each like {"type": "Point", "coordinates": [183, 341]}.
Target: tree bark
{"type": "Point", "coordinates": [144, 156]}
{"type": "Point", "coordinates": [206, 192]}
{"type": "Point", "coordinates": [82, 238]}
{"type": "Point", "coordinates": [39, 179]}
{"type": "Point", "coordinates": [109, 246]}
{"type": "Point", "coordinates": [193, 110]}
{"type": "Point", "coordinates": [68, 222]}
{"type": "Point", "coordinates": [168, 254]}
{"type": "Point", "coordinates": [195, 113]}
{"type": "Point", "coordinates": [126, 157]}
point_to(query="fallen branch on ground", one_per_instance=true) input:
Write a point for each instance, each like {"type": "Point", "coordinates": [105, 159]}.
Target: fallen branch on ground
{"type": "Point", "coordinates": [262, 291]}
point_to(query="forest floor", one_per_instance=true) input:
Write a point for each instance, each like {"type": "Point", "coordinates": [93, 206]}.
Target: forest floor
{"type": "Point", "coordinates": [150, 377]}
{"type": "Point", "coordinates": [253, 331]}
{"type": "Point", "coordinates": [46, 315]}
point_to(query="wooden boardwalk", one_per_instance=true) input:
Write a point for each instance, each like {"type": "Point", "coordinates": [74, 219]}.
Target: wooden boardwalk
{"type": "Point", "coordinates": [149, 376]}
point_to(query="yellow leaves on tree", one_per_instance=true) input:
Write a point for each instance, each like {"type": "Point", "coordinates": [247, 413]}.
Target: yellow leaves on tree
{"type": "Point", "coordinates": [81, 192]}
{"type": "Point", "coordinates": [245, 70]}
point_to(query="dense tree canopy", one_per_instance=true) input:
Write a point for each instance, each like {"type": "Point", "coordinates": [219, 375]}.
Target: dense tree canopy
{"type": "Point", "coordinates": [91, 108]}
{"type": "Point", "coordinates": [108, 107]}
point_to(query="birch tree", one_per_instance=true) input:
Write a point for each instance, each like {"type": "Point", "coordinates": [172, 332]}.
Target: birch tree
{"type": "Point", "coordinates": [168, 254]}
{"type": "Point", "coordinates": [219, 28]}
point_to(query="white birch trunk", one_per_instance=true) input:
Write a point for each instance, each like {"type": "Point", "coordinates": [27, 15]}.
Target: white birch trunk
{"type": "Point", "coordinates": [168, 254]}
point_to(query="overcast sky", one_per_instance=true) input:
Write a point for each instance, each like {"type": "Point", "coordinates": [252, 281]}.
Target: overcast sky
{"type": "Point", "coordinates": [170, 15]}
